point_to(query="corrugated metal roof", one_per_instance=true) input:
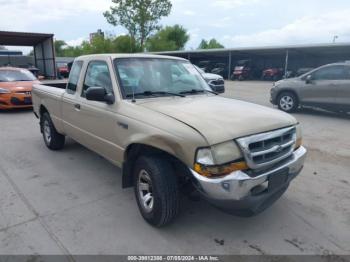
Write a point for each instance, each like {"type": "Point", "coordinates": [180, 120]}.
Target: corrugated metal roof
{"type": "Point", "coordinates": [22, 38]}
{"type": "Point", "coordinates": [256, 49]}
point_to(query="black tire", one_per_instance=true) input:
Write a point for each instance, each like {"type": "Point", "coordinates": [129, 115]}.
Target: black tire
{"type": "Point", "coordinates": [163, 188]}
{"type": "Point", "coordinates": [52, 138]}
{"type": "Point", "coordinates": [287, 102]}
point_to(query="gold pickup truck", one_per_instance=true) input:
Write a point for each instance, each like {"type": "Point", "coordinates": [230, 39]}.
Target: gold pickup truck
{"type": "Point", "coordinates": [157, 119]}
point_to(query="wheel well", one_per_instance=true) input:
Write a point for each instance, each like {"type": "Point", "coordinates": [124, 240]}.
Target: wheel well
{"type": "Point", "coordinates": [134, 151]}
{"type": "Point", "coordinates": [42, 110]}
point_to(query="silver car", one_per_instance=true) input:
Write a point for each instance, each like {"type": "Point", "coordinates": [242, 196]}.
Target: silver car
{"type": "Point", "coordinates": [216, 82]}
{"type": "Point", "coordinates": [325, 87]}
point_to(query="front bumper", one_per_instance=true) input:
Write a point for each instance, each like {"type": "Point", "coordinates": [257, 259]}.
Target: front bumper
{"type": "Point", "coordinates": [218, 88]}
{"type": "Point", "coordinates": [9, 101]}
{"type": "Point", "coordinates": [249, 194]}
{"type": "Point", "coordinates": [273, 96]}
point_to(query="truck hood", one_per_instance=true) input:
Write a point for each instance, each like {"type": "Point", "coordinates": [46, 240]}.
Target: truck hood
{"type": "Point", "coordinates": [221, 119]}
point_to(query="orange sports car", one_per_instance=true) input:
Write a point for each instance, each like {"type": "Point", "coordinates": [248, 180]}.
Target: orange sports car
{"type": "Point", "coordinates": [16, 87]}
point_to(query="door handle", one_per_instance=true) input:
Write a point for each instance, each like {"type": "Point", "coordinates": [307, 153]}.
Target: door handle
{"type": "Point", "coordinates": [77, 106]}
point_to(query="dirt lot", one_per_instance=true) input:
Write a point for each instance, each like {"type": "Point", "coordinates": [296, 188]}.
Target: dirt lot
{"type": "Point", "coordinates": [71, 202]}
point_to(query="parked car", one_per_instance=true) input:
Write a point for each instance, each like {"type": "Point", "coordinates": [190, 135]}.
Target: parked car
{"type": "Point", "coordinates": [326, 87]}
{"type": "Point", "coordinates": [244, 70]}
{"type": "Point", "coordinates": [216, 82]}
{"type": "Point", "coordinates": [272, 74]}
{"type": "Point", "coordinates": [168, 132]}
{"type": "Point", "coordinates": [16, 87]}
{"type": "Point", "coordinates": [62, 70]}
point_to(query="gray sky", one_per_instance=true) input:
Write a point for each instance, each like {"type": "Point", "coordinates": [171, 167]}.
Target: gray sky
{"type": "Point", "coordinates": [232, 22]}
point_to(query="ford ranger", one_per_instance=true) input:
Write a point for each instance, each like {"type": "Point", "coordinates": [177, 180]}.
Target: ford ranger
{"type": "Point", "coordinates": [170, 133]}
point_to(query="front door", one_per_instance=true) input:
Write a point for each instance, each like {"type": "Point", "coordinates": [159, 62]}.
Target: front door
{"type": "Point", "coordinates": [323, 86]}
{"type": "Point", "coordinates": [98, 120]}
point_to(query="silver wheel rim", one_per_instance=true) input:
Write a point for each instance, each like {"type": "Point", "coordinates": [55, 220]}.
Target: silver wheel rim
{"type": "Point", "coordinates": [47, 131]}
{"type": "Point", "coordinates": [286, 103]}
{"type": "Point", "coordinates": [145, 191]}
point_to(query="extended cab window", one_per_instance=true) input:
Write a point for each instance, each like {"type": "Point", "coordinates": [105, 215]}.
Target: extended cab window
{"type": "Point", "coordinates": [331, 73]}
{"type": "Point", "coordinates": [97, 75]}
{"type": "Point", "coordinates": [74, 76]}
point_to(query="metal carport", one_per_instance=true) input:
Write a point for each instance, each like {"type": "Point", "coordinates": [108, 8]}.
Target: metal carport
{"type": "Point", "coordinates": [44, 52]}
{"type": "Point", "coordinates": [287, 57]}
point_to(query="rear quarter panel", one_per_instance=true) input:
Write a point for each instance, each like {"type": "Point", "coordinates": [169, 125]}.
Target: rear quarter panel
{"type": "Point", "coordinates": [51, 99]}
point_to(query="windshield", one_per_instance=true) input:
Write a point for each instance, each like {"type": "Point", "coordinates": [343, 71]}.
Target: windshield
{"type": "Point", "coordinates": [16, 75]}
{"type": "Point", "coordinates": [158, 76]}
{"type": "Point", "coordinates": [60, 64]}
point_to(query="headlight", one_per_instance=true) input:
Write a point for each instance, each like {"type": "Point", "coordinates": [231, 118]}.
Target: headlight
{"type": "Point", "coordinates": [4, 91]}
{"type": "Point", "coordinates": [219, 160]}
{"type": "Point", "coordinates": [299, 135]}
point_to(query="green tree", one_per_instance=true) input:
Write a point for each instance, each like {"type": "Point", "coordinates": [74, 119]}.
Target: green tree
{"type": "Point", "coordinates": [125, 44]}
{"type": "Point", "coordinates": [139, 17]}
{"type": "Point", "coordinates": [169, 38]}
{"type": "Point", "coordinates": [212, 44]}
{"type": "Point", "coordinates": [59, 45]}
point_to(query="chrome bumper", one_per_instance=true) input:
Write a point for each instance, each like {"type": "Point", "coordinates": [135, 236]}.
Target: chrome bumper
{"type": "Point", "coordinates": [238, 185]}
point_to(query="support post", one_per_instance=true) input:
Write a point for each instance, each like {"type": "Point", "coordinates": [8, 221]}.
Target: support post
{"type": "Point", "coordinates": [229, 65]}
{"type": "Point", "coordinates": [286, 63]}
{"type": "Point", "coordinates": [43, 58]}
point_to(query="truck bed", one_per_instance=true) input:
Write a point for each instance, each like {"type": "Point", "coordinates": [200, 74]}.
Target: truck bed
{"type": "Point", "coordinates": [49, 97]}
{"type": "Point", "coordinates": [55, 83]}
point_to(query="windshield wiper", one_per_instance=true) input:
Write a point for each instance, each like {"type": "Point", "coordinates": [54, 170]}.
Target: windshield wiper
{"type": "Point", "coordinates": [198, 91]}
{"type": "Point", "coordinates": [155, 93]}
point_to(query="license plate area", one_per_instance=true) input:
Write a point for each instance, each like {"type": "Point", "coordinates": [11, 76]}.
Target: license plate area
{"type": "Point", "coordinates": [27, 100]}
{"type": "Point", "coordinates": [277, 179]}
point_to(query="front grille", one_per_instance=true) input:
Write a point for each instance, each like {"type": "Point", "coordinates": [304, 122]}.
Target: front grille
{"type": "Point", "coordinates": [217, 82]}
{"type": "Point", "coordinates": [24, 92]}
{"type": "Point", "coordinates": [266, 149]}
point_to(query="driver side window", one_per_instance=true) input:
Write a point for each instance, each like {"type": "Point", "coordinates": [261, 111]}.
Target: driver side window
{"type": "Point", "coordinates": [330, 73]}
{"type": "Point", "coordinates": [97, 75]}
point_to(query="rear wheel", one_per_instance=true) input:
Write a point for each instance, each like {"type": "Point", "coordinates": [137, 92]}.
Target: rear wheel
{"type": "Point", "coordinates": [52, 138]}
{"type": "Point", "coordinates": [156, 190]}
{"type": "Point", "coordinates": [287, 102]}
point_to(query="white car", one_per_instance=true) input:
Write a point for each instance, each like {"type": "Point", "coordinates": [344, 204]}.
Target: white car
{"type": "Point", "coordinates": [216, 82]}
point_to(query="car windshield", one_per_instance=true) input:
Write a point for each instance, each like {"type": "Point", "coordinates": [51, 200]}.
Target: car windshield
{"type": "Point", "coordinates": [60, 64]}
{"type": "Point", "coordinates": [16, 75]}
{"type": "Point", "coordinates": [149, 77]}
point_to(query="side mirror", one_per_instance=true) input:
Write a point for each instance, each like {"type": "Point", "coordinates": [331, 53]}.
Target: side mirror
{"type": "Point", "coordinates": [41, 77]}
{"type": "Point", "coordinates": [99, 94]}
{"type": "Point", "coordinates": [308, 79]}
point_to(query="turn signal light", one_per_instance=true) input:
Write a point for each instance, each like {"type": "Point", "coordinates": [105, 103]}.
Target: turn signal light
{"type": "Point", "coordinates": [219, 171]}
{"type": "Point", "coordinates": [298, 143]}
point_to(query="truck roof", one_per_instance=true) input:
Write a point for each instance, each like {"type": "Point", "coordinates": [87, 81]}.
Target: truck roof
{"type": "Point", "coordinates": [139, 55]}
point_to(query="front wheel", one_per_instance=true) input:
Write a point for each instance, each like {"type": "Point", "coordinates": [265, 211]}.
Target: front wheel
{"type": "Point", "coordinates": [52, 139]}
{"type": "Point", "coordinates": [287, 102]}
{"type": "Point", "coordinates": [156, 190]}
